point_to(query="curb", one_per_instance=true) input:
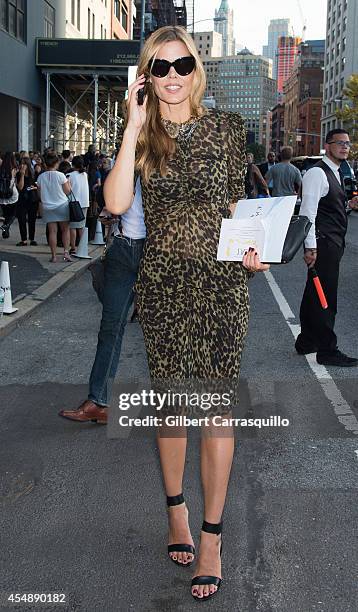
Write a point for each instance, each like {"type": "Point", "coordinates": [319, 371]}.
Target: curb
{"type": "Point", "coordinates": [32, 301]}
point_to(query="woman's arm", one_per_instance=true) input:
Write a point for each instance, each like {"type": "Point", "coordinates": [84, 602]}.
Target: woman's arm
{"type": "Point", "coordinates": [20, 181]}
{"type": "Point", "coordinates": [67, 187]}
{"type": "Point", "coordinates": [260, 179]}
{"type": "Point", "coordinates": [40, 199]}
{"type": "Point", "coordinates": [118, 187]}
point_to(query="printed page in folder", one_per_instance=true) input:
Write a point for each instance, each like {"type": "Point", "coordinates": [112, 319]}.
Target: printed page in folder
{"type": "Point", "coordinates": [261, 224]}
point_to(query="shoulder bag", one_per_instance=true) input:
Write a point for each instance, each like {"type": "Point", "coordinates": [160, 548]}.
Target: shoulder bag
{"type": "Point", "coordinates": [296, 234]}
{"type": "Point", "coordinates": [76, 212]}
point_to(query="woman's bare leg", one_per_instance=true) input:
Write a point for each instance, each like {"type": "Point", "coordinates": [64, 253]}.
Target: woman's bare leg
{"type": "Point", "coordinates": [73, 234]}
{"type": "Point", "coordinates": [217, 450]}
{"type": "Point", "coordinates": [52, 238]}
{"type": "Point", "coordinates": [65, 230]}
{"type": "Point", "coordinates": [172, 452]}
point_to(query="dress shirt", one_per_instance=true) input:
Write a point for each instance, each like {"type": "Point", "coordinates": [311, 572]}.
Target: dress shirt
{"type": "Point", "coordinates": [314, 187]}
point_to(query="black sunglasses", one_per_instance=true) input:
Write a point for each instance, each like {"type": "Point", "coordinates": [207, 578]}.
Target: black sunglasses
{"type": "Point", "coordinates": [182, 66]}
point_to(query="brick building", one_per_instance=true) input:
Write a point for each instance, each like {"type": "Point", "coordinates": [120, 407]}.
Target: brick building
{"type": "Point", "coordinates": [277, 127]}
{"type": "Point", "coordinates": [303, 92]}
{"type": "Point", "coordinates": [286, 56]}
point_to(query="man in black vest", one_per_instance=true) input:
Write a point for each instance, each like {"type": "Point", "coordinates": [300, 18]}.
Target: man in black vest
{"type": "Point", "coordinates": [324, 202]}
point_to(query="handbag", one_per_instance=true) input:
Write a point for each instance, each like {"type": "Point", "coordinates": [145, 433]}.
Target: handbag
{"type": "Point", "coordinates": [6, 187]}
{"type": "Point", "coordinates": [296, 234]}
{"type": "Point", "coordinates": [76, 212]}
{"type": "Point", "coordinates": [96, 268]}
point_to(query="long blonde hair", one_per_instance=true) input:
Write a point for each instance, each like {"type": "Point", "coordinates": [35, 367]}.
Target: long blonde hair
{"type": "Point", "coordinates": [155, 147]}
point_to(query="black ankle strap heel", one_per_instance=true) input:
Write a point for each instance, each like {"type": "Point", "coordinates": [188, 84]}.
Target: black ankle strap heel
{"type": "Point", "coordinates": [176, 500]}
{"type": "Point", "coordinates": [215, 528]}
{"type": "Point", "coordinates": [212, 527]}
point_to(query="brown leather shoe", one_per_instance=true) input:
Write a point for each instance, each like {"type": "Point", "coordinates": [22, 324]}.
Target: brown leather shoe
{"type": "Point", "coordinates": [87, 411]}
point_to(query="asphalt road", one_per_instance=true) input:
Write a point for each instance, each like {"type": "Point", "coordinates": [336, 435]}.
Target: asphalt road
{"type": "Point", "coordinates": [84, 515]}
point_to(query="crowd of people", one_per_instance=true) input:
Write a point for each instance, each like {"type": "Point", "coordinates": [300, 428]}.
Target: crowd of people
{"type": "Point", "coordinates": [35, 186]}
{"type": "Point", "coordinates": [274, 177]}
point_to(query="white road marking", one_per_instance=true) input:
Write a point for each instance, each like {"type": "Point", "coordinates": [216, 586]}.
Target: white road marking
{"type": "Point", "coordinates": [341, 408]}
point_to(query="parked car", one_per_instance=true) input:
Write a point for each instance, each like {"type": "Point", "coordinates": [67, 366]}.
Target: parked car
{"type": "Point", "coordinates": [305, 162]}
{"type": "Point", "coordinates": [350, 181]}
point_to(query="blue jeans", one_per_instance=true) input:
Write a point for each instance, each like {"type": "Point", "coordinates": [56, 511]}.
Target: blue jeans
{"type": "Point", "coordinates": [120, 272]}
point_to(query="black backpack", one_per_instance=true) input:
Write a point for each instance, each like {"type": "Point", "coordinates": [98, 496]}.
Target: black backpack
{"type": "Point", "coordinates": [6, 189]}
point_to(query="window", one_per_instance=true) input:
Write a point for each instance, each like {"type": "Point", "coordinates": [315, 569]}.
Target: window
{"type": "Point", "coordinates": [27, 127]}
{"type": "Point", "coordinates": [73, 12]}
{"type": "Point", "coordinates": [93, 25]}
{"type": "Point", "coordinates": [101, 31]}
{"type": "Point", "coordinates": [12, 18]}
{"type": "Point", "coordinates": [49, 21]}
{"type": "Point", "coordinates": [124, 19]}
{"type": "Point", "coordinates": [117, 10]}
{"type": "Point", "coordinates": [89, 23]}
{"type": "Point", "coordinates": [78, 14]}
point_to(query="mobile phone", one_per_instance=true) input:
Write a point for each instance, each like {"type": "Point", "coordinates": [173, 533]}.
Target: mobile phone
{"type": "Point", "coordinates": [141, 94]}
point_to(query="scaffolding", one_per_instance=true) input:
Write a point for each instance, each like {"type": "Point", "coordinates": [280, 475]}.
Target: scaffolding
{"type": "Point", "coordinates": [85, 86]}
{"type": "Point", "coordinates": [90, 110]}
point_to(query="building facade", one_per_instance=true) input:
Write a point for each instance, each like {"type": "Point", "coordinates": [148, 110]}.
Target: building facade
{"type": "Point", "coordinates": [224, 25]}
{"type": "Point", "coordinates": [243, 83]}
{"type": "Point", "coordinates": [276, 29]}
{"type": "Point", "coordinates": [341, 59]}
{"type": "Point", "coordinates": [286, 56]}
{"type": "Point", "coordinates": [309, 127]}
{"type": "Point", "coordinates": [88, 19]}
{"type": "Point", "coordinates": [159, 13]}
{"type": "Point", "coordinates": [22, 90]}
{"type": "Point", "coordinates": [208, 44]}
{"type": "Point", "coordinates": [277, 127]}
{"type": "Point", "coordinates": [303, 92]}
{"type": "Point", "coordinates": [122, 16]}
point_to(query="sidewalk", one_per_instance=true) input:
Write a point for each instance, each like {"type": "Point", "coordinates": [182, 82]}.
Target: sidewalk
{"type": "Point", "coordinates": [33, 277]}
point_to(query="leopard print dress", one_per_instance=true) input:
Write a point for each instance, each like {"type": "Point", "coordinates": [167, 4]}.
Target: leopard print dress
{"type": "Point", "coordinates": [193, 309]}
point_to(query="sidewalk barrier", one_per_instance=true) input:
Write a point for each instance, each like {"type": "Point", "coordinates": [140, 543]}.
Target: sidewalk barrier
{"type": "Point", "coordinates": [82, 251]}
{"type": "Point", "coordinates": [5, 284]}
{"type": "Point", "coordinates": [98, 237]}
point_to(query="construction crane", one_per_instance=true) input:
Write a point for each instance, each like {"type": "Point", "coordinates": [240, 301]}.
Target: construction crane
{"type": "Point", "coordinates": [304, 21]}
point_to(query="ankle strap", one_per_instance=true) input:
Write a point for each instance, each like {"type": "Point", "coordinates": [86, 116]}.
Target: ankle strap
{"type": "Point", "coordinates": [175, 500]}
{"type": "Point", "coordinates": [212, 527]}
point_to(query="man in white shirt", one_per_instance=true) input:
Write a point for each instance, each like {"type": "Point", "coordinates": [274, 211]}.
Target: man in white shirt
{"type": "Point", "coordinates": [324, 203]}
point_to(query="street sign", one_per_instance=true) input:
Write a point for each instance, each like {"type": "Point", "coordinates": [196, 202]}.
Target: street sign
{"type": "Point", "coordinates": [86, 53]}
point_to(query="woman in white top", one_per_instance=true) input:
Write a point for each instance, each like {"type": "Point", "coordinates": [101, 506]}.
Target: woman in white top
{"type": "Point", "coordinates": [79, 185]}
{"type": "Point", "coordinates": [9, 194]}
{"type": "Point", "coordinates": [53, 187]}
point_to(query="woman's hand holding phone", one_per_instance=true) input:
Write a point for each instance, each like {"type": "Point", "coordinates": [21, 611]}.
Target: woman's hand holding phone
{"type": "Point", "coordinates": [137, 112]}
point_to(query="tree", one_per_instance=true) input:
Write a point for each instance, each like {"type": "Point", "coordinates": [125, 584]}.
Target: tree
{"type": "Point", "coordinates": [258, 151]}
{"type": "Point", "coordinates": [349, 113]}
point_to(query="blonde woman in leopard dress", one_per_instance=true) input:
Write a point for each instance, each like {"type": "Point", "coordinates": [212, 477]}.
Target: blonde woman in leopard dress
{"type": "Point", "coordinates": [193, 309]}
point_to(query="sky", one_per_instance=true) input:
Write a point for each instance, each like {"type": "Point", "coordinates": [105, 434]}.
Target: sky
{"type": "Point", "coordinates": [252, 17]}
